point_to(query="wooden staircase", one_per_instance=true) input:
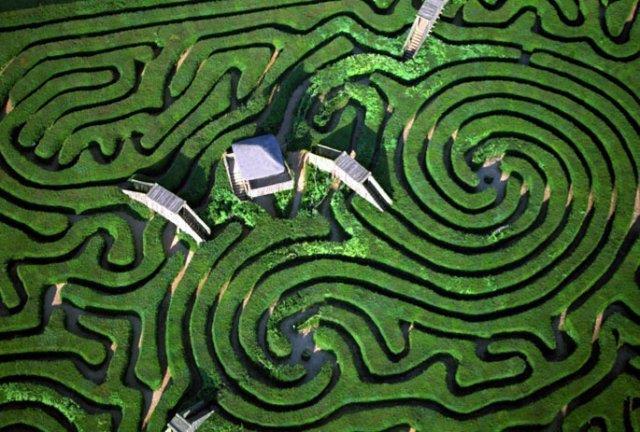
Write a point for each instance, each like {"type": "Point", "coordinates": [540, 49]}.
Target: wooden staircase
{"type": "Point", "coordinates": [427, 16]}
{"type": "Point", "coordinates": [418, 36]}
{"type": "Point", "coordinates": [236, 184]}
{"type": "Point", "coordinates": [239, 189]}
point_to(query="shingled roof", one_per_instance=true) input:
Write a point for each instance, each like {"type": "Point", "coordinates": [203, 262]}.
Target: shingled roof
{"type": "Point", "coordinates": [258, 157]}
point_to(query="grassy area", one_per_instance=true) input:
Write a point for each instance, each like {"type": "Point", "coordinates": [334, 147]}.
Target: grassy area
{"type": "Point", "coordinates": [498, 292]}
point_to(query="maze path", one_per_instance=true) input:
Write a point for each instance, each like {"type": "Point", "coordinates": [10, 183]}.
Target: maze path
{"type": "Point", "coordinates": [500, 292]}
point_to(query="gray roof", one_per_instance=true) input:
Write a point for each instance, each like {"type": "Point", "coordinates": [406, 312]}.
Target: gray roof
{"type": "Point", "coordinates": [349, 165]}
{"type": "Point", "coordinates": [430, 9]}
{"type": "Point", "coordinates": [166, 198]}
{"type": "Point", "coordinates": [259, 157]}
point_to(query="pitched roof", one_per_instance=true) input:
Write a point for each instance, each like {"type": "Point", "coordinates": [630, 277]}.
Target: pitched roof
{"type": "Point", "coordinates": [165, 198]}
{"type": "Point", "coordinates": [258, 157]}
{"type": "Point", "coordinates": [350, 166]}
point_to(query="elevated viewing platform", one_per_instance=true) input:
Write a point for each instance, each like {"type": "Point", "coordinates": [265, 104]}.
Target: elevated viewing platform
{"type": "Point", "coordinates": [427, 16]}
{"type": "Point", "coordinates": [351, 173]}
{"type": "Point", "coordinates": [169, 206]}
{"type": "Point", "coordinates": [191, 419]}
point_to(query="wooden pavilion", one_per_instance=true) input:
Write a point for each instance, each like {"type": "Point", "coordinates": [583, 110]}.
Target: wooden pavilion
{"type": "Point", "coordinates": [255, 167]}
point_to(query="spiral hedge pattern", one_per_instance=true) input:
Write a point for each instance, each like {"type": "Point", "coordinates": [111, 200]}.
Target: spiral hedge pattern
{"type": "Point", "coordinates": [499, 292]}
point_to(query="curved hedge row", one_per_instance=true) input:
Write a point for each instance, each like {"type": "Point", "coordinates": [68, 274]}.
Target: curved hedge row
{"type": "Point", "coordinates": [498, 292]}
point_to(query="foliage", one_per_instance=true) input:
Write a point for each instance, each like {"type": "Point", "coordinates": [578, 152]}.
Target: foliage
{"type": "Point", "coordinates": [225, 205]}
{"type": "Point", "coordinates": [464, 306]}
{"type": "Point", "coordinates": [317, 186]}
{"type": "Point", "coordinates": [282, 202]}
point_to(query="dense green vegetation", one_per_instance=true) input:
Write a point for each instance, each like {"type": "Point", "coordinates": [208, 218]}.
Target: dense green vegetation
{"type": "Point", "coordinates": [501, 291]}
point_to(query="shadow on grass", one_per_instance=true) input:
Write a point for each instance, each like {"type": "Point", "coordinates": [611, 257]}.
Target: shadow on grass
{"type": "Point", "coordinates": [26, 4]}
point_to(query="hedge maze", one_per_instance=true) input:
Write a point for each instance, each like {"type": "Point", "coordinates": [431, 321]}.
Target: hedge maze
{"type": "Point", "coordinates": [501, 291]}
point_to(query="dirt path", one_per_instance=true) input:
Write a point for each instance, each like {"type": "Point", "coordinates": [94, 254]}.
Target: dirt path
{"type": "Point", "coordinates": [157, 394]}
{"type": "Point", "coordinates": [300, 176]}
{"type": "Point", "coordinates": [183, 57]}
{"type": "Point", "coordinates": [407, 128]}
{"type": "Point", "coordinates": [591, 200]}
{"type": "Point", "coordinates": [569, 196]}
{"type": "Point", "coordinates": [247, 298]}
{"type": "Point", "coordinates": [57, 297]}
{"type": "Point", "coordinates": [563, 318]}
{"type": "Point", "coordinates": [7, 64]}
{"type": "Point", "coordinates": [289, 113]}
{"type": "Point", "coordinates": [8, 107]}
{"type": "Point", "coordinates": [272, 60]}
{"type": "Point", "coordinates": [636, 209]}
{"type": "Point", "coordinates": [492, 161]}
{"type": "Point", "coordinates": [547, 193]}
{"type": "Point", "coordinates": [174, 242]}
{"type": "Point", "coordinates": [183, 270]}
{"type": "Point", "coordinates": [202, 282]}
{"type": "Point", "coordinates": [223, 289]}
{"type": "Point", "coordinates": [524, 189]}
{"type": "Point", "coordinates": [596, 328]}
{"type": "Point", "coordinates": [612, 205]}
{"type": "Point", "coordinates": [633, 11]}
